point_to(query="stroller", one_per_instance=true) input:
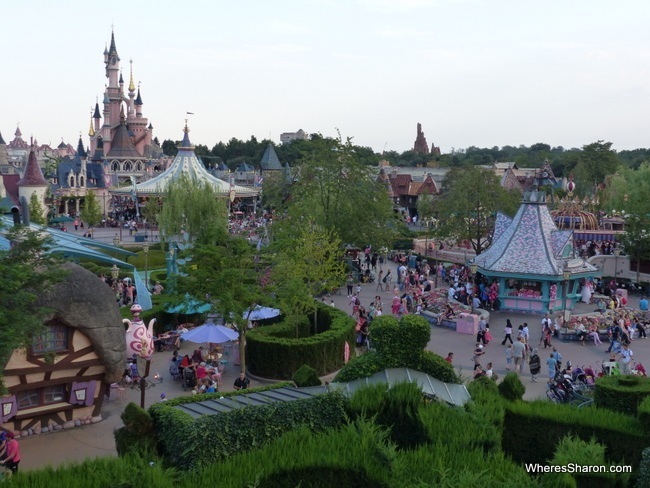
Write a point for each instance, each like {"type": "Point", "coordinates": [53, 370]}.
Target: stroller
{"type": "Point", "coordinates": [639, 369]}
{"type": "Point", "coordinates": [189, 378]}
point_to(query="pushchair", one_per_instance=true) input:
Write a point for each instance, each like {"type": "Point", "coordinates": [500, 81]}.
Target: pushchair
{"type": "Point", "coordinates": [189, 378]}
{"type": "Point", "coordinates": [639, 369]}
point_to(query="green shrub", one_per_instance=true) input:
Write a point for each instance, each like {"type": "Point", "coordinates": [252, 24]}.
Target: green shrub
{"type": "Point", "coordinates": [404, 339]}
{"type": "Point", "coordinates": [621, 394]}
{"type": "Point", "coordinates": [357, 454]}
{"type": "Point", "coordinates": [511, 388]}
{"type": "Point", "coordinates": [531, 431]}
{"type": "Point", "coordinates": [274, 351]}
{"type": "Point", "coordinates": [575, 451]}
{"type": "Point", "coordinates": [482, 384]}
{"type": "Point", "coordinates": [643, 477]}
{"type": "Point", "coordinates": [306, 376]}
{"type": "Point", "coordinates": [138, 434]}
{"type": "Point", "coordinates": [188, 443]}
{"type": "Point", "coordinates": [366, 402]}
{"type": "Point", "coordinates": [643, 414]}
{"type": "Point", "coordinates": [399, 412]}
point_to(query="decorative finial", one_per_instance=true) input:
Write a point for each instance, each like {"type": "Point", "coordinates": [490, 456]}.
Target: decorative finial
{"type": "Point", "coordinates": [131, 85]}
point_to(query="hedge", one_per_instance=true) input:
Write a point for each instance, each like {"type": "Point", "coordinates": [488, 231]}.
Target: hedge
{"type": "Point", "coordinates": [188, 443]}
{"type": "Point", "coordinates": [621, 393]}
{"type": "Point", "coordinates": [643, 413]}
{"type": "Point", "coordinates": [272, 352]}
{"type": "Point", "coordinates": [531, 431]}
{"type": "Point", "coordinates": [399, 345]}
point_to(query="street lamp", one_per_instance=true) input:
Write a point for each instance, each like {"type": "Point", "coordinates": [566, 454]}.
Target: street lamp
{"type": "Point", "coordinates": [145, 250]}
{"type": "Point", "coordinates": [617, 253]}
{"type": "Point", "coordinates": [116, 240]}
{"type": "Point", "coordinates": [566, 274]}
{"type": "Point", "coordinates": [115, 274]}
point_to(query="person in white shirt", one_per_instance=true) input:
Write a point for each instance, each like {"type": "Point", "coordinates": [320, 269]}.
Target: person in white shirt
{"type": "Point", "coordinates": [626, 358]}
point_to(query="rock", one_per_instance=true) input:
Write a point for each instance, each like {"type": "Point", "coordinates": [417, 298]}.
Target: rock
{"type": "Point", "coordinates": [87, 422]}
{"type": "Point", "coordinates": [37, 429]}
{"type": "Point", "coordinates": [45, 430]}
{"type": "Point", "coordinates": [69, 424]}
{"type": "Point", "coordinates": [30, 431]}
{"type": "Point", "coordinates": [77, 422]}
{"type": "Point", "coordinates": [58, 427]}
{"type": "Point", "coordinates": [420, 146]}
{"type": "Point", "coordinates": [23, 433]}
{"type": "Point", "coordinates": [96, 419]}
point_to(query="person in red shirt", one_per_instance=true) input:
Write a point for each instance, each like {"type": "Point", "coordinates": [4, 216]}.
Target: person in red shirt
{"type": "Point", "coordinates": [450, 357]}
{"type": "Point", "coordinates": [13, 454]}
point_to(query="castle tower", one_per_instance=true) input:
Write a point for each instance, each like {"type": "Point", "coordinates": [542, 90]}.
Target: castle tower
{"type": "Point", "coordinates": [33, 182]}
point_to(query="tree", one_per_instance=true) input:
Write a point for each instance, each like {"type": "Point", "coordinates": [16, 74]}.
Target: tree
{"type": "Point", "coordinates": [27, 271]}
{"type": "Point", "coordinates": [636, 240]}
{"type": "Point", "coordinates": [307, 266]}
{"type": "Point", "coordinates": [192, 207]}
{"type": "Point", "coordinates": [595, 163]}
{"type": "Point", "coordinates": [36, 210]}
{"type": "Point", "coordinates": [469, 203]}
{"type": "Point", "coordinates": [628, 191]}
{"type": "Point", "coordinates": [226, 276]}
{"type": "Point", "coordinates": [91, 213]}
{"type": "Point", "coordinates": [170, 148]}
{"type": "Point", "coordinates": [337, 192]}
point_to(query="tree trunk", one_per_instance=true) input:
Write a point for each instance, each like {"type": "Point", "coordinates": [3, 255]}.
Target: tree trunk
{"type": "Point", "coordinates": [242, 350]}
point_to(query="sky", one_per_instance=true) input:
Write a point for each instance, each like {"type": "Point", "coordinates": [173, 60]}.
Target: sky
{"type": "Point", "coordinates": [474, 73]}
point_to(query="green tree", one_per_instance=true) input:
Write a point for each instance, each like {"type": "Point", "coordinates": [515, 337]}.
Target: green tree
{"type": "Point", "coordinates": [336, 191]}
{"type": "Point", "coordinates": [27, 272]}
{"type": "Point", "coordinates": [151, 210]}
{"type": "Point", "coordinates": [469, 204]}
{"type": "Point", "coordinates": [312, 260]}
{"type": "Point", "coordinates": [636, 240]}
{"type": "Point", "coordinates": [36, 210]}
{"type": "Point", "coordinates": [170, 148]}
{"type": "Point", "coordinates": [192, 207]}
{"type": "Point", "coordinates": [226, 276]}
{"type": "Point", "coordinates": [628, 191]}
{"type": "Point", "coordinates": [595, 163]}
{"type": "Point", "coordinates": [91, 212]}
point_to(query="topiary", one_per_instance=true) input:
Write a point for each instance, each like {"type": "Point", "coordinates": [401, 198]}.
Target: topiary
{"type": "Point", "coordinates": [511, 388]}
{"type": "Point", "coordinates": [138, 433]}
{"type": "Point", "coordinates": [643, 479]}
{"type": "Point", "coordinates": [482, 385]}
{"type": "Point", "coordinates": [306, 376]}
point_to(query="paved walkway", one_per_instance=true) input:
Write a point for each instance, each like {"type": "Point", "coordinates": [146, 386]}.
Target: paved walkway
{"type": "Point", "coordinates": [97, 440]}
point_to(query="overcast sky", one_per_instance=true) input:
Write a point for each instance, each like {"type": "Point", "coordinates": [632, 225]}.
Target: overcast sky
{"type": "Point", "coordinates": [474, 73]}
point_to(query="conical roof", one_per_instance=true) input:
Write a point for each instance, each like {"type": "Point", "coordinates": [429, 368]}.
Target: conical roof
{"type": "Point", "coordinates": [531, 244]}
{"type": "Point", "coordinates": [186, 163]}
{"type": "Point", "coordinates": [33, 175]}
{"type": "Point", "coordinates": [122, 145]}
{"type": "Point", "coordinates": [270, 161]}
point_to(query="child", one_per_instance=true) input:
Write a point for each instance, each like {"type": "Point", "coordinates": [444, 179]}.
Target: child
{"type": "Point", "coordinates": [508, 356]}
{"type": "Point", "coordinates": [358, 289]}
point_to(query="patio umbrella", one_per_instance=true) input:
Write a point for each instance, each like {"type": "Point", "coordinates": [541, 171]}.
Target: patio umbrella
{"type": "Point", "coordinates": [61, 219]}
{"type": "Point", "coordinates": [262, 313]}
{"type": "Point", "coordinates": [210, 332]}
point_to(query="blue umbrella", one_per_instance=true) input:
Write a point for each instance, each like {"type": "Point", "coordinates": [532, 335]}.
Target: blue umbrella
{"type": "Point", "coordinates": [262, 313]}
{"type": "Point", "coordinates": [210, 332]}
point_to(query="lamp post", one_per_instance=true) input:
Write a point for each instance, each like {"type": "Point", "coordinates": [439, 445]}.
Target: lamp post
{"type": "Point", "coordinates": [566, 274]}
{"type": "Point", "coordinates": [145, 250]}
{"type": "Point", "coordinates": [115, 274]}
{"type": "Point", "coordinates": [617, 253]}
{"type": "Point", "coordinates": [473, 267]}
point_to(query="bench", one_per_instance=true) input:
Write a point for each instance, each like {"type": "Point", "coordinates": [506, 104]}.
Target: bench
{"type": "Point", "coordinates": [572, 335]}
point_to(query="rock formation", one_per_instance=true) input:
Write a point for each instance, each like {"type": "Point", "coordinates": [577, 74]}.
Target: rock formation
{"type": "Point", "coordinates": [420, 146]}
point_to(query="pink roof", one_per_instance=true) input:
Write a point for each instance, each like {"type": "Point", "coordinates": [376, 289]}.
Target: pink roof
{"type": "Point", "coordinates": [33, 176]}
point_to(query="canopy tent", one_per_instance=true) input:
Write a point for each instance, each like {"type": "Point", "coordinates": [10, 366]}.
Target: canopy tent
{"type": "Point", "coordinates": [189, 306]}
{"type": "Point", "coordinates": [61, 219]}
{"type": "Point", "coordinates": [261, 313]}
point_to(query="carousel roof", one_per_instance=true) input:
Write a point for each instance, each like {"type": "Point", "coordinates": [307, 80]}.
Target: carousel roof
{"type": "Point", "coordinates": [530, 243]}
{"type": "Point", "coordinates": [186, 163]}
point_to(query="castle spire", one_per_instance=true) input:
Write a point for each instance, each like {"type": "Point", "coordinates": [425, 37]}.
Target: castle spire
{"type": "Point", "coordinates": [113, 49]}
{"type": "Point", "coordinates": [131, 84]}
{"type": "Point", "coordinates": [91, 130]}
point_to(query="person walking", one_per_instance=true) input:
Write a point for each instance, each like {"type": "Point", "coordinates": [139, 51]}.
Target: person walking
{"type": "Point", "coordinates": [551, 364]}
{"type": "Point", "coordinates": [519, 354]}
{"type": "Point", "coordinates": [478, 352]}
{"type": "Point", "coordinates": [12, 455]}
{"type": "Point", "coordinates": [380, 281]}
{"type": "Point", "coordinates": [388, 280]}
{"type": "Point", "coordinates": [558, 357]}
{"type": "Point", "coordinates": [535, 364]}
{"type": "Point", "coordinates": [508, 357]}
{"type": "Point", "coordinates": [508, 332]}
{"type": "Point", "coordinates": [349, 283]}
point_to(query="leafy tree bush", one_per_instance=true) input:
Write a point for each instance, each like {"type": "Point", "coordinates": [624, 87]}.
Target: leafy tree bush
{"type": "Point", "coordinates": [511, 388]}
{"type": "Point", "coordinates": [306, 376]}
{"type": "Point", "coordinates": [482, 384]}
{"type": "Point", "coordinates": [399, 345]}
{"type": "Point", "coordinates": [643, 413]}
{"type": "Point", "coordinates": [621, 394]}
{"type": "Point", "coordinates": [138, 434]}
{"type": "Point", "coordinates": [643, 479]}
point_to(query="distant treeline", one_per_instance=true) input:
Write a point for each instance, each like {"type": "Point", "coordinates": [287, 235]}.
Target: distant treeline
{"type": "Point", "coordinates": [562, 160]}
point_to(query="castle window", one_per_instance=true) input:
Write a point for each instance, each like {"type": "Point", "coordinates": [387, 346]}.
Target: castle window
{"type": "Point", "coordinates": [41, 396]}
{"type": "Point", "coordinates": [55, 339]}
